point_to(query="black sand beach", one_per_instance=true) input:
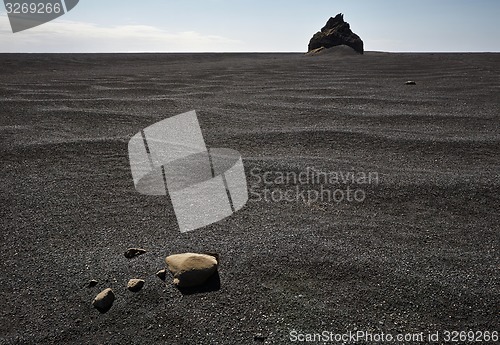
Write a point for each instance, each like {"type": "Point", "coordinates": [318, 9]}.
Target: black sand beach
{"type": "Point", "coordinates": [419, 253]}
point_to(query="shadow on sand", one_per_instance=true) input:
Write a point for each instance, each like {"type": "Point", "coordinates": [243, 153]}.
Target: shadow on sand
{"type": "Point", "coordinates": [212, 284]}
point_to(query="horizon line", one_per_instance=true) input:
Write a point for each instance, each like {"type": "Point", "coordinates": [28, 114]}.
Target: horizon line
{"type": "Point", "coordinates": [261, 52]}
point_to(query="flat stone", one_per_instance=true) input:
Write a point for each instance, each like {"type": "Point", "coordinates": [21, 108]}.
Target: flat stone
{"type": "Point", "coordinates": [104, 300]}
{"type": "Point", "coordinates": [191, 269]}
{"type": "Point", "coordinates": [410, 82]}
{"type": "Point", "coordinates": [133, 252]}
{"type": "Point", "coordinates": [135, 285]}
{"type": "Point", "coordinates": [92, 283]}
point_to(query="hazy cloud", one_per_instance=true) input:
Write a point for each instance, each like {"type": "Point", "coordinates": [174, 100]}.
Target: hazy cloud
{"type": "Point", "coordinates": [69, 36]}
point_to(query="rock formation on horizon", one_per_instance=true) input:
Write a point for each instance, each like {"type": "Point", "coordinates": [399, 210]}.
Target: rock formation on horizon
{"type": "Point", "coordinates": [336, 32]}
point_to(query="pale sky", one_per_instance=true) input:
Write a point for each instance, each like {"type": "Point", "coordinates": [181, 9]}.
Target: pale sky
{"type": "Point", "coordinates": [259, 26]}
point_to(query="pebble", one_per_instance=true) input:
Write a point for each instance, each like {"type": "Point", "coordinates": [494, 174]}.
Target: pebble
{"type": "Point", "coordinates": [104, 300]}
{"type": "Point", "coordinates": [259, 337]}
{"type": "Point", "coordinates": [135, 285]}
{"type": "Point", "coordinates": [162, 274]}
{"type": "Point", "coordinates": [133, 252]}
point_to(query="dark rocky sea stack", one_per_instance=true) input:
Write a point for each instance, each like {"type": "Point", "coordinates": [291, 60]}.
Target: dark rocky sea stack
{"type": "Point", "coordinates": [336, 32]}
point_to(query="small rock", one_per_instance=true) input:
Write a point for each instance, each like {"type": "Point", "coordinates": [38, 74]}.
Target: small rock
{"type": "Point", "coordinates": [162, 274]}
{"type": "Point", "coordinates": [191, 269]}
{"type": "Point", "coordinates": [92, 283]}
{"type": "Point", "coordinates": [104, 300]}
{"type": "Point", "coordinates": [135, 285]}
{"type": "Point", "coordinates": [132, 252]}
{"type": "Point", "coordinates": [410, 82]}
